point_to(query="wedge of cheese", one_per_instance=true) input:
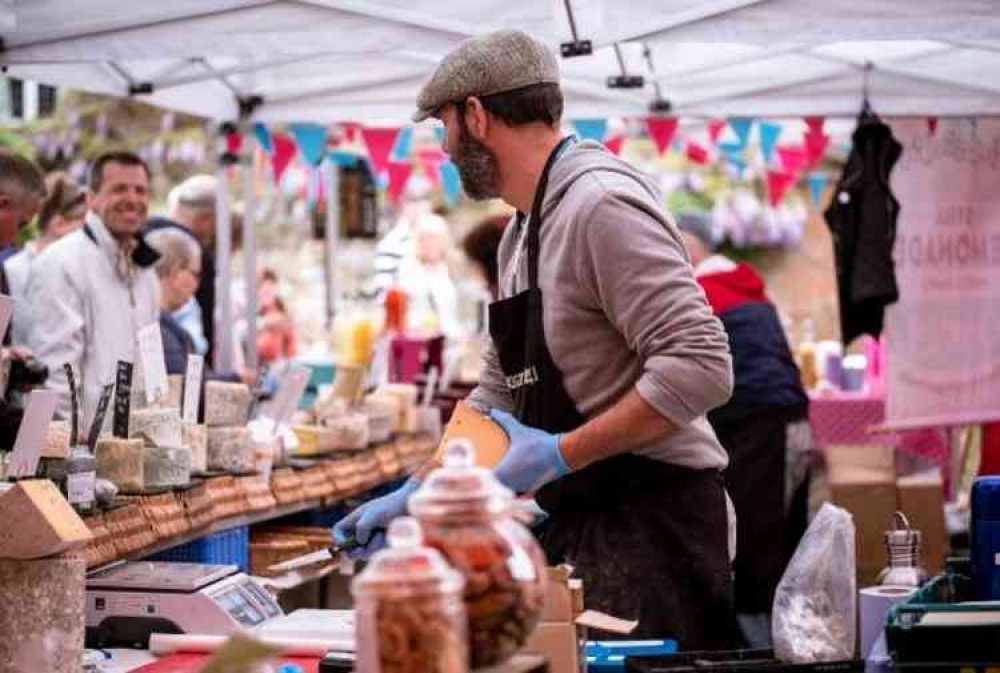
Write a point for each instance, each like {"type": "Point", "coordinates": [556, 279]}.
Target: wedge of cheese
{"type": "Point", "coordinates": [490, 440]}
{"type": "Point", "coordinates": [36, 521]}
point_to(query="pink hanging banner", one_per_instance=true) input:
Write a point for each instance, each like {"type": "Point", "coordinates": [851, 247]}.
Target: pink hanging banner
{"type": "Point", "coordinates": [399, 173]}
{"type": "Point", "coordinates": [943, 364]}
{"type": "Point", "coordinates": [778, 184]}
{"type": "Point", "coordinates": [715, 129]}
{"type": "Point", "coordinates": [816, 144]}
{"type": "Point", "coordinates": [284, 152]}
{"type": "Point", "coordinates": [234, 142]}
{"type": "Point", "coordinates": [696, 153]}
{"type": "Point", "coordinates": [614, 144]}
{"type": "Point", "coordinates": [793, 159]}
{"type": "Point", "coordinates": [661, 130]}
{"type": "Point", "coordinates": [380, 142]}
{"type": "Point", "coordinates": [815, 124]}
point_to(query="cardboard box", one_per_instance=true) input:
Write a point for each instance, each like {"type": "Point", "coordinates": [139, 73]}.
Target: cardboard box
{"type": "Point", "coordinates": [560, 644]}
{"type": "Point", "coordinates": [921, 498]}
{"type": "Point", "coordinates": [564, 599]}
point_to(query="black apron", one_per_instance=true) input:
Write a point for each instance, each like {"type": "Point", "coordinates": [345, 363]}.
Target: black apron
{"type": "Point", "coordinates": [648, 539]}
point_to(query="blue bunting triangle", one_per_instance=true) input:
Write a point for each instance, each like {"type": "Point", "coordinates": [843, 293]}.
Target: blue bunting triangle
{"type": "Point", "coordinates": [591, 129]}
{"type": "Point", "coordinates": [311, 141]}
{"type": "Point", "coordinates": [450, 181]}
{"type": "Point", "coordinates": [441, 133]}
{"type": "Point", "coordinates": [817, 186]}
{"type": "Point", "coordinates": [741, 127]}
{"type": "Point", "coordinates": [342, 158]}
{"type": "Point", "coordinates": [401, 148]}
{"type": "Point", "coordinates": [769, 134]}
{"type": "Point", "coordinates": [263, 137]}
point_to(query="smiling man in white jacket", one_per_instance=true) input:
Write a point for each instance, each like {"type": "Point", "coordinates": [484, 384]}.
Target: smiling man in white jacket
{"type": "Point", "coordinates": [90, 292]}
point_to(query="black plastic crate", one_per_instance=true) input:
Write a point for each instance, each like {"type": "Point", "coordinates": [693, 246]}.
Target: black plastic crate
{"type": "Point", "coordinates": [735, 661]}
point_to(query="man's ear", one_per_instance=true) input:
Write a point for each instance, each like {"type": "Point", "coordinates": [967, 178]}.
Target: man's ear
{"type": "Point", "coordinates": [476, 118]}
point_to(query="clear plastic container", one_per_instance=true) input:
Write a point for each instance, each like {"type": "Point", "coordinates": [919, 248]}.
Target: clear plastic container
{"type": "Point", "coordinates": [410, 615]}
{"type": "Point", "coordinates": [468, 515]}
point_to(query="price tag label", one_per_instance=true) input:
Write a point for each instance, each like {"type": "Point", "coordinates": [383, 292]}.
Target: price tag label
{"type": "Point", "coordinates": [154, 368]}
{"type": "Point", "coordinates": [123, 398]}
{"type": "Point", "coordinates": [31, 435]}
{"type": "Point", "coordinates": [98, 422]}
{"type": "Point", "coordinates": [290, 391]}
{"type": "Point", "coordinates": [192, 388]}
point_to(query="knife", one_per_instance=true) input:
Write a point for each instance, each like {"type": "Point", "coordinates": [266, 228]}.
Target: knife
{"type": "Point", "coordinates": [331, 553]}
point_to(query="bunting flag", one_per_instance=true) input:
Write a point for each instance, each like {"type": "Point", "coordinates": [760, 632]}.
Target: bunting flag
{"type": "Point", "coordinates": [284, 152]}
{"type": "Point", "coordinates": [737, 163]}
{"type": "Point", "coordinates": [932, 124]}
{"type": "Point", "coordinates": [817, 187]}
{"type": "Point", "coordinates": [816, 144]}
{"type": "Point", "coordinates": [399, 173]}
{"type": "Point", "coordinates": [815, 124]}
{"type": "Point", "coordinates": [793, 159]}
{"type": "Point", "coordinates": [234, 141]}
{"type": "Point", "coordinates": [351, 130]}
{"type": "Point", "coordinates": [342, 158]}
{"type": "Point", "coordinates": [401, 148]}
{"type": "Point", "coordinates": [263, 137]}
{"type": "Point", "coordinates": [661, 130]}
{"type": "Point", "coordinates": [696, 153]}
{"type": "Point", "coordinates": [591, 129]}
{"type": "Point", "coordinates": [769, 134]}
{"type": "Point", "coordinates": [715, 130]}
{"type": "Point", "coordinates": [614, 144]}
{"type": "Point", "coordinates": [441, 134]}
{"type": "Point", "coordinates": [311, 139]}
{"type": "Point", "coordinates": [778, 184]}
{"type": "Point", "coordinates": [379, 142]}
{"type": "Point", "coordinates": [741, 127]}
{"type": "Point", "coordinates": [734, 149]}
{"type": "Point", "coordinates": [432, 155]}
{"type": "Point", "coordinates": [451, 181]}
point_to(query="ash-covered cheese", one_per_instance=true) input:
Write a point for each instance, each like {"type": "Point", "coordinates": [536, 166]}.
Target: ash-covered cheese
{"type": "Point", "coordinates": [230, 449]}
{"type": "Point", "coordinates": [120, 461]}
{"type": "Point", "coordinates": [158, 426]}
{"type": "Point", "coordinates": [166, 466]}
{"type": "Point", "coordinates": [57, 440]}
{"type": "Point", "coordinates": [196, 439]}
{"type": "Point", "coordinates": [349, 431]}
{"type": "Point", "coordinates": [226, 404]}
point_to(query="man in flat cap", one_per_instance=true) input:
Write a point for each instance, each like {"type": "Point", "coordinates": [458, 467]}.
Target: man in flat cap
{"type": "Point", "coordinates": [605, 355]}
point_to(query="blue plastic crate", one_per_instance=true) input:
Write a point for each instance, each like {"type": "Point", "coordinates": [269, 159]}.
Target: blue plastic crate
{"type": "Point", "coordinates": [608, 656]}
{"type": "Point", "coordinates": [228, 547]}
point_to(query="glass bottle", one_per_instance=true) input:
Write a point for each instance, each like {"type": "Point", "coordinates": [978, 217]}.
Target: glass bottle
{"type": "Point", "coordinates": [903, 547]}
{"type": "Point", "coordinates": [467, 515]}
{"type": "Point", "coordinates": [410, 615]}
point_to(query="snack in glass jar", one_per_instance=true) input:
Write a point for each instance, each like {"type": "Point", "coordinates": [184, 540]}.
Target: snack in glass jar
{"type": "Point", "coordinates": [467, 515]}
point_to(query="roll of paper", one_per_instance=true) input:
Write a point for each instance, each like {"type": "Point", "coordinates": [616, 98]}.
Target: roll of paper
{"type": "Point", "coordinates": [166, 643]}
{"type": "Point", "coordinates": [875, 605]}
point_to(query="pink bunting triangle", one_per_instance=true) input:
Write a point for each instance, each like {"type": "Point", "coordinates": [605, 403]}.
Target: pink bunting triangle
{"type": "Point", "coordinates": [696, 153]}
{"type": "Point", "coordinates": [816, 144]}
{"type": "Point", "coordinates": [932, 124]}
{"type": "Point", "coordinates": [351, 130]}
{"type": "Point", "coordinates": [399, 173]}
{"type": "Point", "coordinates": [815, 124]}
{"type": "Point", "coordinates": [234, 142]}
{"type": "Point", "coordinates": [778, 184]}
{"type": "Point", "coordinates": [715, 129]}
{"type": "Point", "coordinates": [661, 130]}
{"type": "Point", "coordinates": [284, 152]}
{"type": "Point", "coordinates": [380, 142]}
{"type": "Point", "coordinates": [614, 144]}
{"type": "Point", "coordinates": [793, 158]}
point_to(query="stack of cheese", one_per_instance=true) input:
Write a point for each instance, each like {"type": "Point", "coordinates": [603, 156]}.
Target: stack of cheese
{"type": "Point", "coordinates": [405, 394]}
{"type": "Point", "coordinates": [331, 425]}
{"type": "Point", "coordinates": [227, 408]}
{"type": "Point", "coordinates": [153, 457]}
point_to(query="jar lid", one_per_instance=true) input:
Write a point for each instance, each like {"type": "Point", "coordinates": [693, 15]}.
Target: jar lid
{"type": "Point", "coordinates": [461, 487]}
{"type": "Point", "coordinates": [407, 567]}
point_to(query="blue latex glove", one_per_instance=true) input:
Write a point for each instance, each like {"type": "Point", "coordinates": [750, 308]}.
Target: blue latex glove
{"type": "Point", "coordinates": [367, 523]}
{"type": "Point", "coordinates": [534, 458]}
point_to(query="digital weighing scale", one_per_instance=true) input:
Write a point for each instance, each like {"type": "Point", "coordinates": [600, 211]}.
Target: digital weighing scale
{"type": "Point", "coordinates": [129, 601]}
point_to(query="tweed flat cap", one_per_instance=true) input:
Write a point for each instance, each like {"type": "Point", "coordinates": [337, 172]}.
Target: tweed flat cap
{"type": "Point", "coordinates": [493, 63]}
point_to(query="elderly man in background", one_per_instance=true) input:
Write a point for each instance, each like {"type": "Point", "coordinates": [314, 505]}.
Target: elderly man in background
{"type": "Point", "coordinates": [192, 211]}
{"type": "Point", "coordinates": [91, 291]}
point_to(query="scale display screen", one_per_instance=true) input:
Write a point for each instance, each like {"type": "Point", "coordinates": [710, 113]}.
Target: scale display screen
{"type": "Point", "coordinates": [264, 600]}
{"type": "Point", "coordinates": [239, 606]}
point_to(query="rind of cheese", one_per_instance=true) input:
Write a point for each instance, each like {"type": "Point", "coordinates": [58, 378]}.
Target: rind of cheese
{"type": "Point", "coordinates": [196, 439]}
{"type": "Point", "coordinates": [120, 461]}
{"type": "Point", "coordinates": [158, 426]}
{"type": "Point", "coordinates": [226, 404]}
{"type": "Point", "coordinates": [36, 521]}
{"type": "Point", "coordinates": [166, 466]}
{"type": "Point", "coordinates": [57, 440]}
{"type": "Point", "coordinates": [490, 440]}
{"type": "Point", "coordinates": [230, 449]}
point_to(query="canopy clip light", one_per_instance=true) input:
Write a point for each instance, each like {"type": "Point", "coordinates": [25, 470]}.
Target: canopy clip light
{"type": "Point", "coordinates": [624, 80]}
{"type": "Point", "coordinates": [659, 105]}
{"type": "Point", "coordinates": [577, 47]}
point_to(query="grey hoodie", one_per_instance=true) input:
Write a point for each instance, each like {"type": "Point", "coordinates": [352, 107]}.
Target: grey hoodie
{"type": "Point", "coordinates": [621, 306]}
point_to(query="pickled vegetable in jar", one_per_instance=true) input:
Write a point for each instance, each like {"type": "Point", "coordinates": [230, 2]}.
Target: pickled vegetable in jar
{"type": "Point", "coordinates": [410, 615]}
{"type": "Point", "coordinates": [467, 515]}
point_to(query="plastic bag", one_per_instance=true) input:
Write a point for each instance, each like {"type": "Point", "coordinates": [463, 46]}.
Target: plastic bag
{"type": "Point", "coordinates": [814, 612]}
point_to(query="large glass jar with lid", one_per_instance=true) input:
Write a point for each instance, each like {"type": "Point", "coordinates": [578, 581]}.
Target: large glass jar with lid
{"type": "Point", "coordinates": [410, 617]}
{"type": "Point", "coordinates": [468, 515]}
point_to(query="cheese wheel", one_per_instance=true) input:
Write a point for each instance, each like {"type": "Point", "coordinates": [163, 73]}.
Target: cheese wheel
{"type": "Point", "coordinates": [57, 440]}
{"type": "Point", "coordinates": [120, 461]}
{"type": "Point", "coordinates": [490, 440]}
{"type": "Point", "coordinates": [226, 404]}
{"type": "Point", "coordinates": [158, 426]}
{"type": "Point", "coordinates": [230, 450]}
{"type": "Point", "coordinates": [166, 466]}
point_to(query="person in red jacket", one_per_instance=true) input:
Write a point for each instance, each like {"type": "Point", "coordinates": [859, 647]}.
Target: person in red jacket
{"type": "Point", "coordinates": [768, 406]}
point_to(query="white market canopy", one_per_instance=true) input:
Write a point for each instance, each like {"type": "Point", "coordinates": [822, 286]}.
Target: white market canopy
{"type": "Point", "coordinates": [341, 60]}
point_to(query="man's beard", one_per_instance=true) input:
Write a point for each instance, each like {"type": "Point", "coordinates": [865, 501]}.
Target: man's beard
{"type": "Point", "coordinates": [477, 166]}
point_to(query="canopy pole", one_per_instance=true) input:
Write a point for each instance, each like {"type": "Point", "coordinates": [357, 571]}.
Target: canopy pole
{"type": "Point", "coordinates": [330, 239]}
{"type": "Point", "coordinates": [249, 242]}
{"type": "Point", "coordinates": [223, 247]}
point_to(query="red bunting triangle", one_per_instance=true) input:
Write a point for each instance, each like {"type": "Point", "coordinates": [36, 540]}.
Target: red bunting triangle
{"type": "Point", "coordinates": [932, 124]}
{"type": "Point", "coordinates": [778, 184]}
{"type": "Point", "coordinates": [816, 144]}
{"type": "Point", "coordinates": [815, 124]}
{"type": "Point", "coordinates": [234, 141]}
{"type": "Point", "coordinates": [399, 173]}
{"type": "Point", "coordinates": [715, 129]}
{"type": "Point", "coordinates": [794, 159]}
{"type": "Point", "coordinates": [614, 144]}
{"type": "Point", "coordinates": [380, 142]}
{"type": "Point", "coordinates": [284, 152]}
{"type": "Point", "coordinates": [696, 153]}
{"type": "Point", "coordinates": [661, 130]}
{"type": "Point", "coordinates": [350, 132]}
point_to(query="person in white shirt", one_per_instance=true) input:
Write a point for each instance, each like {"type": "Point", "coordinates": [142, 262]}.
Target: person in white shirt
{"type": "Point", "coordinates": [425, 278]}
{"type": "Point", "coordinates": [91, 291]}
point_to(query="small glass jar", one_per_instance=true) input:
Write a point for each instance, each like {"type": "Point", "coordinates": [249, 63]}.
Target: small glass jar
{"type": "Point", "coordinates": [468, 515]}
{"type": "Point", "coordinates": [410, 617]}
{"type": "Point", "coordinates": [76, 477]}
